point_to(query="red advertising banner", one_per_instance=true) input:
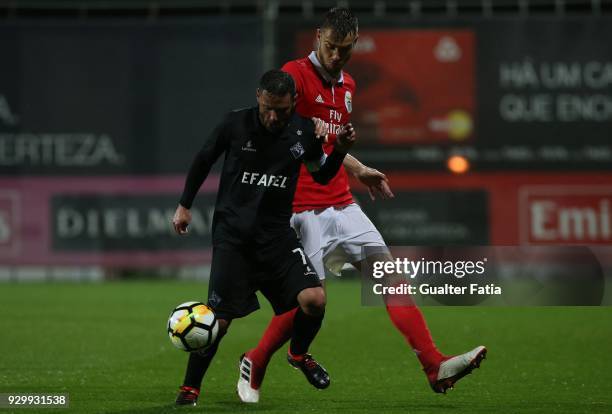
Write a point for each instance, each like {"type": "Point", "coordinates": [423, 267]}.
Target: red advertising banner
{"type": "Point", "coordinates": [566, 214]}
{"type": "Point", "coordinates": [523, 208]}
{"type": "Point", "coordinates": [413, 86]}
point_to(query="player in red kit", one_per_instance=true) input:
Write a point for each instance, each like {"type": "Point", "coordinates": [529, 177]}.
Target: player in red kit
{"type": "Point", "coordinates": [332, 228]}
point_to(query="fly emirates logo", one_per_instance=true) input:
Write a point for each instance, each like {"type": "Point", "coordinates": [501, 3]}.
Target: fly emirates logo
{"type": "Point", "coordinates": [264, 180]}
{"type": "Point", "coordinates": [335, 124]}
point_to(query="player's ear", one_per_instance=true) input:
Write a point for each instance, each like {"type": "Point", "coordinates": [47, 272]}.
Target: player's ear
{"type": "Point", "coordinates": [258, 94]}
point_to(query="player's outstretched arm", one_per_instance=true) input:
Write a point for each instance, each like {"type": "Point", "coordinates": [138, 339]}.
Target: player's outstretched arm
{"type": "Point", "coordinates": [376, 182]}
{"type": "Point", "coordinates": [329, 166]}
{"type": "Point", "coordinates": [214, 146]}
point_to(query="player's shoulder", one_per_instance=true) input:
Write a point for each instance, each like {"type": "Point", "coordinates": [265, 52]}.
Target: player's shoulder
{"type": "Point", "coordinates": [238, 115]}
{"type": "Point", "coordinates": [349, 81]}
{"type": "Point", "coordinates": [238, 112]}
{"type": "Point", "coordinates": [303, 124]}
{"type": "Point", "coordinates": [296, 65]}
{"type": "Point", "coordinates": [302, 130]}
{"type": "Point", "coordinates": [238, 119]}
{"type": "Point", "coordinates": [304, 134]}
{"type": "Point", "coordinates": [298, 69]}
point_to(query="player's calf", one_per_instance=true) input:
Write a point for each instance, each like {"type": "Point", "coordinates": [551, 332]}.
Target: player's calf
{"type": "Point", "coordinates": [197, 365]}
{"type": "Point", "coordinates": [306, 325]}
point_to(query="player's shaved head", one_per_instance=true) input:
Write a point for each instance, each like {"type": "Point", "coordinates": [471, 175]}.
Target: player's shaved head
{"type": "Point", "coordinates": [341, 21]}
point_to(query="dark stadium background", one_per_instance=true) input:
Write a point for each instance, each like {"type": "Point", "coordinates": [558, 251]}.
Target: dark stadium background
{"type": "Point", "coordinates": [103, 104]}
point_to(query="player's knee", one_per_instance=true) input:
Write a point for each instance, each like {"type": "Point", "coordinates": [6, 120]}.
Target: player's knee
{"type": "Point", "coordinates": [223, 327]}
{"type": "Point", "coordinates": [312, 301]}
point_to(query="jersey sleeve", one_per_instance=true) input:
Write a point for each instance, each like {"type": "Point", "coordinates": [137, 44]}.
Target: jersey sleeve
{"type": "Point", "coordinates": [292, 69]}
{"type": "Point", "coordinates": [216, 143]}
{"type": "Point", "coordinates": [314, 156]}
{"type": "Point", "coordinates": [321, 167]}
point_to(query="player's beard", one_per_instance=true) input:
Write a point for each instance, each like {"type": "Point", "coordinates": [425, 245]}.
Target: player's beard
{"type": "Point", "coordinates": [332, 69]}
{"type": "Point", "coordinates": [278, 127]}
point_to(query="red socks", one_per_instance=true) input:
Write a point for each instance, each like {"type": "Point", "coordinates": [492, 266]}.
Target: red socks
{"type": "Point", "coordinates": [410, 322]}
{"type": "Point", "coordinates": [276, 335]}
{"type": "Point", "coordinates": [407, 319]}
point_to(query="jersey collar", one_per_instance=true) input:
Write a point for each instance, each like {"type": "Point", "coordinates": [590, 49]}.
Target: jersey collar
{"type": "Point", "coordinates": [319, 67]}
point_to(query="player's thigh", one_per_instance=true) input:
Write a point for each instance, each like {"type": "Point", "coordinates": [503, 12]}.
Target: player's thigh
{"type": "Point", "coordinates": [359, 233]}
{"type": "Point", "coordinates": [231, 292]}
{"type": "Point", "coordinates": [316, 262]}
{"type": "Point", "coordinates": [289, 273]}
{"type": "Point", "coordinates": [307, 225]}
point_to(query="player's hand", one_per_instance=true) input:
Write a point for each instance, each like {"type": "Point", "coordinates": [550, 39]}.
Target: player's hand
{"type": "Point", "coordinates": [320, 129]}
{"type": "Point", "coordinates": [345, 138]}
{"type": "Point", "coordinates": [181, 219]}
{"type": "Point", "coordinates": [376, 182]}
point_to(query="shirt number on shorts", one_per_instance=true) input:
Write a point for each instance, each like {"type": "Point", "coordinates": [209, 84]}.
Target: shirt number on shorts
{"type": "Point", "coordinates": [303, 256]}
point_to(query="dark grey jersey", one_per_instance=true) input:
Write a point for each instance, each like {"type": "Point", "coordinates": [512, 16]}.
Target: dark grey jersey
{"type": "Point", "coordinates": [259, 176]}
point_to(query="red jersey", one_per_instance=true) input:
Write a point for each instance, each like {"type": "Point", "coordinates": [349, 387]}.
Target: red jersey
{"type": "Point", "coordinates": [332, 101]}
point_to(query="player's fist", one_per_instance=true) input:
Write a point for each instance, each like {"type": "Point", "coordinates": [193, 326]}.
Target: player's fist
{"type": "Point", "coordinates": [320, 129]}
{"type": "Point", "coordinates": [345, 138]}
{"type": "Point", "coordinates": [181, 219]}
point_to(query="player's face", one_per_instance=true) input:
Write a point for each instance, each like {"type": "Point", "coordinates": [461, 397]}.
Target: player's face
{"type": "Point", "coordinates": [333, 53]}
{"type": "Point", "coordinates": [274, 111]}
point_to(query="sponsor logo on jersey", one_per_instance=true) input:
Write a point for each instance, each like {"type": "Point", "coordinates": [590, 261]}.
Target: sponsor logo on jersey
{"type": "Point", "coordinates": [297, 150]}
{"type": "Point", "coordinates": [319, 99]}
{"type": "Point", "coordinates": [264, 180]}
{"type": "Point", "coordinates": [249, 146]}
{"type": "Point", "coordinates": [348, 102]}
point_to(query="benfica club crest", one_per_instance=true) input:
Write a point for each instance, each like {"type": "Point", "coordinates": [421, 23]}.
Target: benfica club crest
{"type": "Point", "coordinates": [348, 102]}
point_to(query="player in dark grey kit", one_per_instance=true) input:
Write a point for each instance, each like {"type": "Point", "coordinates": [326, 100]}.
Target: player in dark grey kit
{"type": "Point", "coordinates": [254, 247]}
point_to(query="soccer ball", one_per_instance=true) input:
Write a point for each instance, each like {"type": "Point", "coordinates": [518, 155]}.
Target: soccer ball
{"type": "Point", "coordinates": [192, 326]}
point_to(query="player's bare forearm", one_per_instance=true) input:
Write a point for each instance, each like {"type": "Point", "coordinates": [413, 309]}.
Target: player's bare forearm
{"type": "Point", "coordinates": [353, 165]}
{"type": "Point", "coordinates": [376, 182]}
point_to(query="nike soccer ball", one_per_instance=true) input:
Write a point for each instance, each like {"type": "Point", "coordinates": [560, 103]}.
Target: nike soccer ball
{"type": "Point", "coordinates": [192, 326]}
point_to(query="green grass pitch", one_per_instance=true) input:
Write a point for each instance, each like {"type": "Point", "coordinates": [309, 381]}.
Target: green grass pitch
{"type": "Point", "coordinates": [105, 344]}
